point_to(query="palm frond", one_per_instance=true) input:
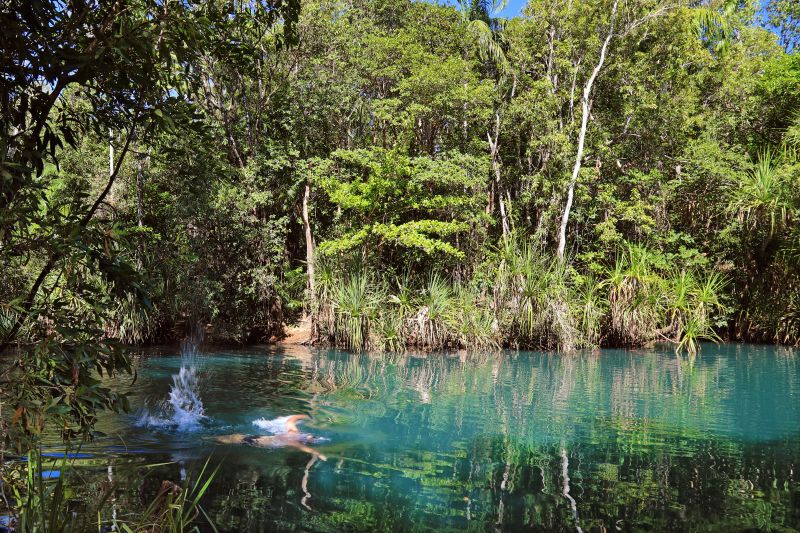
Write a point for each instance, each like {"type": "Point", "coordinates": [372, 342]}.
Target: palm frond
{"type": "Point", "coordinates": [714, 26]}
{"type": "Point", "coordinates": [762, 195]}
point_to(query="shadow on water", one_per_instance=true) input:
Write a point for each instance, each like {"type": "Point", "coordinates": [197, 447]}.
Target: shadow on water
{"type": "Point", "coordinates": [519, 440]}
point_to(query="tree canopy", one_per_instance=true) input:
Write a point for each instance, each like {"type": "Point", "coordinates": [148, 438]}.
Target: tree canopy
{"type": "Point", "coordinates": [589, 173]}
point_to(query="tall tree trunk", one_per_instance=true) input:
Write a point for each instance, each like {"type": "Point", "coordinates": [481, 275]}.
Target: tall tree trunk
{"type": "Point", "coordinates": [465, 124]}
{"type": "Point", "coordinates": [309, 242]}
{"type": "Point", "coordinates": [140, 193]}
{"type": "Point", "coordinates": [494, 149]}
{"type": "Point", "coordinates": [586, 105]}
{"type": "Point", "coordinates": [110, 152]}
{"type": "Point", "coordinates": [140, 207]}
{"type": "Point", "coordinates": [112, 195]}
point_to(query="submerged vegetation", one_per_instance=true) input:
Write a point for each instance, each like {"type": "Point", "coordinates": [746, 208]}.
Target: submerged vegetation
{"type": "Point", "coordinates": [480, 441]}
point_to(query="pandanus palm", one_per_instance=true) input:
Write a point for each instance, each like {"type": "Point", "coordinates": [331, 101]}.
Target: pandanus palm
{"type": "Point", "coordinates": [356, 301]}
{"type": "Point", "coordinates": [762, 195]}
{"type": "Point", "coordinates": [436, 301]}
{"type": "Point", "coordinates": [634, 291]}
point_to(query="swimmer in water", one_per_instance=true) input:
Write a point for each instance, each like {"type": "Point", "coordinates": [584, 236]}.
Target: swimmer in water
{"type": "Point", "coordinates": [291, 423]}
{"type": "Point", "coordinates": [293, 437]}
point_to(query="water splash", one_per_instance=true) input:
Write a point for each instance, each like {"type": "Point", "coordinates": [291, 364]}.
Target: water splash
{"type": "Point", "coordinates": [184, 399]}
{"type": "Point", "coordinates": [183, 409]}
{"type": "Point", "coordinates": [275, 426]}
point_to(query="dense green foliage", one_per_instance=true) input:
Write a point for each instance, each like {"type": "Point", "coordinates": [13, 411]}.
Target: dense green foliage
{"type": "Point", "coordinates": [80, 80]}
{"type": "Point", "coordinates": [427, 165]}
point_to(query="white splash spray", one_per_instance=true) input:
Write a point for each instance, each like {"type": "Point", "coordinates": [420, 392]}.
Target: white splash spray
{"type": "Point", "coordinates": [183, 409]}
{"type": "Point", "coordinates": [274, 426]}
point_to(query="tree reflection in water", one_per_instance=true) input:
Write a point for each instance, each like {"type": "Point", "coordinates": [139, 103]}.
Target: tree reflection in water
{"type": "Point", "coordinates": [513, 441]}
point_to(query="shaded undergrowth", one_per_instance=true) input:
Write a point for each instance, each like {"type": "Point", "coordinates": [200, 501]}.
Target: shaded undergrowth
{"type": "Point", "coordinates": [39, 495]}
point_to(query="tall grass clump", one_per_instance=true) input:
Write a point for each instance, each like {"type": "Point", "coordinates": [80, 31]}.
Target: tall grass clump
{"type": "Point", "coordinates": [472, 321]}
{"type": "Point", "coordinates": [533, 299]}
{"type": "Point", "coordinates": [42, 498]}
{"type": "Point", "coordinates": [592, 305]}
{"type": "Point", "coordinates": [38, 501]}
{"type": "Point", "coordinates": [130, 322]}
{"type": "Point", "coordinates": [634, 291]}
{"type": "Point", "coordinates": [692, 305]}
{"type": "Point", "coordinates": [430, 321]}
{"type": "Point", "coordinates": [322, 301]}
{"type": "Point", "coordinates": [176, 508]}
{"type": "Point", "coordinates": [390, 331]}
{"type": "Point", "coordinates": [763, 195]}
{"type": "Point", "coordinates": [357, 299]}
{"type": "Point", "coordinates": [358, 309]}
{"type": "Point", "coordinates": [648, 301]}
{"type": "Point", "coordinates": [521, 297]}
{"type": "Point", "coordinates": [350, 308]}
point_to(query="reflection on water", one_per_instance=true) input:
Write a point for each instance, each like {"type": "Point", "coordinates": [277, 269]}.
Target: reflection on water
{"type": "Point", "coordinates": [617, 440]}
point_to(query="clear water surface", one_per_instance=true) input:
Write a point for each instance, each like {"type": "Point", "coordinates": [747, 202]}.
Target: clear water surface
{"type": "Point", "coordinates": [612, 440]}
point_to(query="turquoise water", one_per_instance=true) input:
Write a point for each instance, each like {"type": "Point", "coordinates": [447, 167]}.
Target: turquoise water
{"type": "Point", "coordinates": [621, 440]}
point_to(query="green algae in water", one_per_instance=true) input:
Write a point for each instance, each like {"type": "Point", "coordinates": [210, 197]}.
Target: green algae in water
{"type": "Point", "coordinates": [513, 441]}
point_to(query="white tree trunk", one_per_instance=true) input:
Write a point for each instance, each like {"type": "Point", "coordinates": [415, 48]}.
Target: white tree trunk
{"type": "Point", "coordinates": [140, 209]}
{"type": "Point", "coordinates": [493, 148]}
{"type": "Point", "coordinates": [110, 152]}
{"type": "Point", "coordinates": [586, 105]}
{"type": "Point", "coordinates": [309, 242]}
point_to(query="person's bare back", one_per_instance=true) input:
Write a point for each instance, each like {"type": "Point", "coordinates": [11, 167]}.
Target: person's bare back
{"type": "Point", "coordinates": [293, 438]}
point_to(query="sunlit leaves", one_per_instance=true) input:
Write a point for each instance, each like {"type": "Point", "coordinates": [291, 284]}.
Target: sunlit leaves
{"type": "Point", "coordinates": [391, 200]}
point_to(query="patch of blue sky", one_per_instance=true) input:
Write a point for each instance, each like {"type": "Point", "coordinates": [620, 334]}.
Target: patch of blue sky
{"type": "Point", "coordinates": [514, 8]}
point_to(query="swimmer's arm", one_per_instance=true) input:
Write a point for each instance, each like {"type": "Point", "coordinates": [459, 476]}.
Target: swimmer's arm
{"type": "Point", "coordinates": [291, 422]}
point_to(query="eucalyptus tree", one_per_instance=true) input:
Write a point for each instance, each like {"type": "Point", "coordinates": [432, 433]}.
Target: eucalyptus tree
{"type": "Point", "coordinates": [634, 15]}
{"type": "Point", "coordinates": [585, 110]}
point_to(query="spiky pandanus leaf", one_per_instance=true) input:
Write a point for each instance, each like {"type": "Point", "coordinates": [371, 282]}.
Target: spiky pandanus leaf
{"type": "Point", "coordinates": [762, 195]}
{"type": "Point", "coordinates": [356, 300]}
